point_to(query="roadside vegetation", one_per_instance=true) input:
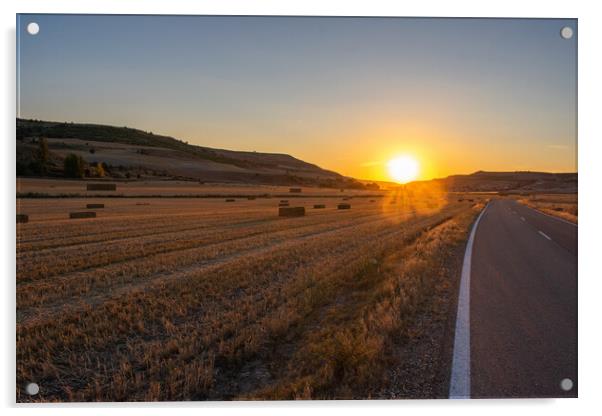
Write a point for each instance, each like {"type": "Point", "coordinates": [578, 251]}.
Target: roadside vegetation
{"type": "Point", "coordinates": [559, 205]}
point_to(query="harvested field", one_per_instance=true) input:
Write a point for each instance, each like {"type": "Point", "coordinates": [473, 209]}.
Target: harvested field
{"type": "Point", "coordinates": [198, 299]}
{"type": "Point", "coordinates": [164, 188]}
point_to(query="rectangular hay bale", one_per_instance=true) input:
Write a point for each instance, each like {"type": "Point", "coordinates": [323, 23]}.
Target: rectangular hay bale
{"type": "Point", "coordinates": [295, 190]}
{"type": "Point", "coordinates": [22, 218]}
{"type": "Point", "coordinates": [95, 205]}
{"type": "Point", "coordinates": [291, 212]}
{"type": "Point", "coordinates": [318, 206]}
{"type": "Point", "coordinates": [230, 200]}
{"type": "Point", "coordinates": [344, 206]}
{"type": "Point", "coordinates": [85, 214]}
{"type": "Point", "coordinates": [101, 187]}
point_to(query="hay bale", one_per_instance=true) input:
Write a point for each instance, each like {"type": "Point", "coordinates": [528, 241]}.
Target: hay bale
{"type": "Point", "coordinates": [295, 190]}
{"type": "Point", "coordinates": [95, 205]}
{"type": "Point", "coordinates": [142, 203]}
{"type": "Point", "coordinates": [291, 212]}
{"type": "Point", "coordinates": [230, 200]}
{"type": "Point", "coordinates": [101, 187]}
{"type": "Point", "coordinates": [460, 200]}
{"type": "Point", "coordinates": [344, 206]}
{"type": "Point", "coordinates": [22, 218]}
{"type": "Point", "coordinates": [318, 206]}
{"type": "Point", "coordinates": [85, 214]}
{"type": "Point", "coordinates": [372, 200]}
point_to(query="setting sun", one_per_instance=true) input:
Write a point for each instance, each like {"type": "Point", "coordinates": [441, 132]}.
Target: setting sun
{"type": "Point", "coordinates": [403, 169]}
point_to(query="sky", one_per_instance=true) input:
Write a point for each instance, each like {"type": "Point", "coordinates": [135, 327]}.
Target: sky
{"type": "Point", "coordinates": [348, 94]}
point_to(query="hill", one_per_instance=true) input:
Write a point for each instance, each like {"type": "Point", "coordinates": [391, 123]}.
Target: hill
{"type": "Point", "coordinates": [129, 152]}
{"type": "Point", "coordinates": [511, 182]}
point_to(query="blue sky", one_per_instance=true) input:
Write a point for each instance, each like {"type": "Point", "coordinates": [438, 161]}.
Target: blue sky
{"type": "Point", "coordinates": [346, 93]}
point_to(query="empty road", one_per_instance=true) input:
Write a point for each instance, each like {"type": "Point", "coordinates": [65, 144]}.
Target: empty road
{"type": "Point", "coordinates": [518, 313]}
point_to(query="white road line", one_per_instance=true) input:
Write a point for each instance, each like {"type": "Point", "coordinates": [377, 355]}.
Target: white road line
{"type": "Point", "coordinates": [544, 234]}
{"type": "Point", "coordinates": [459, 386]}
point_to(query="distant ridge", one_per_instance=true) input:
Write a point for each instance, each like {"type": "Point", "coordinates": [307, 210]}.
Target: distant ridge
{"type": "Point", "coordinates": [518, 181]}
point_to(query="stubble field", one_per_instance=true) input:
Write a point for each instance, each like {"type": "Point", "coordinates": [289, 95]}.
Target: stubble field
{"type": "Point", "coordinates": [202, 299]}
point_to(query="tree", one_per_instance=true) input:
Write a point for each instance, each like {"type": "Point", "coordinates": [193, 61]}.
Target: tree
{"type": "Point", "coordinates": [74, 166]}
{"type": "Point", "coordinates": [42, 154]}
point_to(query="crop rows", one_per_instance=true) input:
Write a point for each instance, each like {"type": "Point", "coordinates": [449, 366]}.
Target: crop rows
{"type": "Point", "coordinates": [191, 304]}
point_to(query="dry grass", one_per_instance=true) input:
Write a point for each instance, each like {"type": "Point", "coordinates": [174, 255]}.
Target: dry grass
{"type": "Point", "coordinates": [560, 205]}
{"type": "Point", "coordinates": [200, 299]}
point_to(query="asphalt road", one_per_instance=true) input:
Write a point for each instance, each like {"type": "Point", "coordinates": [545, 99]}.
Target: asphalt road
{"type": "Point", "coordinates": [523, 304]}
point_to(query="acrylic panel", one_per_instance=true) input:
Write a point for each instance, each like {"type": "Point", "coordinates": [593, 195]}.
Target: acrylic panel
{"type": "Point", "coordinates": [286, 207]}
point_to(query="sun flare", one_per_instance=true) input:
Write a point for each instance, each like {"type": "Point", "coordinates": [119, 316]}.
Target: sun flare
{"type": "Point", "coordinates": [403, 169]}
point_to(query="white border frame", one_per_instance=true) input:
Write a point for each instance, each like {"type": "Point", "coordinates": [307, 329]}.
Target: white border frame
{"type": "Point", "coordinates": [590, 288]}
